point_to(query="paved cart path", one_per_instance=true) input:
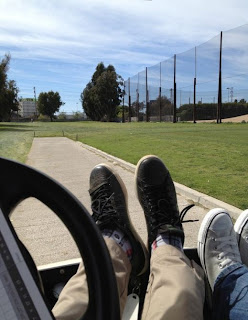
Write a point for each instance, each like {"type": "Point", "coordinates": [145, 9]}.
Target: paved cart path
{"type": "Point", "coordinates": [70, 163]}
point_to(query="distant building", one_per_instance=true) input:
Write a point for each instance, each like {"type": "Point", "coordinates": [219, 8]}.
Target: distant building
{"type": "Point", "coordinates": [27, 108]}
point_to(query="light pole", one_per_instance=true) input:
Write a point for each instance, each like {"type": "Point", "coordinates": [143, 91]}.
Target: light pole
{"type": "Point", "coordinates": [228, 93]}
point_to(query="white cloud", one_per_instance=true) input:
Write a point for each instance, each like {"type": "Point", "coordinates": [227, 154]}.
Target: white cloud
{"type": "Point", "coordinates": [130, 34]}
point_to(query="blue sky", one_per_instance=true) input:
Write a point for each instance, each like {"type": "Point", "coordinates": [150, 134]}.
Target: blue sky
{"type": "Point", "coordinates": [56, 45]}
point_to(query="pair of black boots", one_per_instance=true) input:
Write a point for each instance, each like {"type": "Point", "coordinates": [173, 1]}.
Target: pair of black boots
{"type": "Point", "coordinates": [156, 194]}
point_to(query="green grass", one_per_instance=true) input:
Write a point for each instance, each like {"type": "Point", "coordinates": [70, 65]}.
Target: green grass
{"type": "Point", "coordinates": [15, 140]}
{"type": "Point", "coordinates": [210, 158]}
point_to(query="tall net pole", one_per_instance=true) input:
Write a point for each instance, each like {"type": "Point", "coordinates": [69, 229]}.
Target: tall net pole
{"type": "Point", "coordinates": [194, 107]}
{"type": "Point", "coordinates": [175, 93]}
{"type": "Point", "coordinates": [137, 100]}
{"type": "Point", "coordinates": [129, 101]}
{"type": "Point", "coordinates": [147, 103]}
{"type": "Point", "coordinates": [160, 98]}
{"type": "Point", "coordinates": [123, 106]}
{"type": "Point", "coordinates": [219, 106]}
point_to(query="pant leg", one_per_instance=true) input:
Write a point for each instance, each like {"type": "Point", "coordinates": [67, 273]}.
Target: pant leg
{"type": "Point", "coordinates": [230, 296]}
{"type": "Point", "coordinates": [73, 300]}
{"type": "Point", "coordinates": [176, 287]}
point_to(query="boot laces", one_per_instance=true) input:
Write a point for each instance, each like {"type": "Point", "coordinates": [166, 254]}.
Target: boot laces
{"type": "Point", "coordinates": [102, 205]}
{"type": "Point", "coordinates": [183, 213]}
{"type": "Point", "coordinates": [161, 209]}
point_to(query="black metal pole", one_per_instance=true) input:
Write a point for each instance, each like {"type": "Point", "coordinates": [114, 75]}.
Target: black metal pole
{"type": "Point", "coordinates": [129, 109]}
{"type": "Point", "coordinates": [160, 98]}
{"type": "Point", "coordinates": [129, 101]}
{"type": "Point", "coordinates": [147, 103]}
{"type": "Point", "coordinates": [194, 106]}
{"type": "Point", "coordinates": [137, 105]}
{"type": "Point", "coordinates": [160, 105]}
{"type": "Point", "coordinates": [123, 114]}
{"type": "Point", "coordinates": [219, 106]}
{"type": "Point", "coordinates": [175, 93]}
{"type": "Point", "coordinates": [137, 100]}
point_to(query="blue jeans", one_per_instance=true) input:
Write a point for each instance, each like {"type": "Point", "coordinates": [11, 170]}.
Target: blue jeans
{"type": "Point", "coordinates": [230, 296]}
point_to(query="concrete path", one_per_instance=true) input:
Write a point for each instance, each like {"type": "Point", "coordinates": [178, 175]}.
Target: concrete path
{"type": "Point", "coordinates": [70, 163]}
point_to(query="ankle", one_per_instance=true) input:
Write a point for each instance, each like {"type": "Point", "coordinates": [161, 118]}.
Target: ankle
{"type": "Point", "coordinates": [121, 239]}
{"type": "Point", "coordinates": [167, 239]}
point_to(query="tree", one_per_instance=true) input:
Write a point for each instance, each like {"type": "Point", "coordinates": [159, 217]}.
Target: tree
{"type": "Point", "coordinates": [242, 101]}
{"type": "Point", "coordinates": [62, 116]}
{"type": "Point", "coordinates": [102, 95]}
{"type": "Point", "coordinates": [8, 91]}
{"type": "Point", "coordinates": [100, 68]}
{"type": "Point", "coordinates": [4, 67]}
{"type": "Point", "coordinates": [91, 102]}
{"type": "Point", "coordinates": [166, 106]}
{"type": "Point", "coordinates": [49, 103]}
{"type": "Point", "coordinates": [11, 101]}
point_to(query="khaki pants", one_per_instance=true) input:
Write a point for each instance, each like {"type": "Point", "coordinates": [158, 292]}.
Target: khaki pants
{"type": "Point", "coordinates": [175, 289]}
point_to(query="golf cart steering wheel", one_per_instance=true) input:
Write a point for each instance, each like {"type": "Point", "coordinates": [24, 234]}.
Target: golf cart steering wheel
{"type": "Point", "coordinates": [18, 182]}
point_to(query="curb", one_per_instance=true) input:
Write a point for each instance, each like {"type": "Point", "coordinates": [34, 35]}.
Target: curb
{"type": "Point", "coordinates": [206, 201]}
{"type": "Point", "coordinates": [197, 197]}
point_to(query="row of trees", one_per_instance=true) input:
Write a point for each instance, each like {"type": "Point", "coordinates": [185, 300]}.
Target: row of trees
{"type": "Point", "coordinates": [160, 107]}
{"type": "Point", "coordinates": [100, 98]}
{"type": "Point", "coordinates": [48, 102]}
{"type": "Point", "coordinates": [8, 91]}
{"type": "Point", "coordinates": [208, 111]}
{"type": "Point", "coordinates": [102, 95]}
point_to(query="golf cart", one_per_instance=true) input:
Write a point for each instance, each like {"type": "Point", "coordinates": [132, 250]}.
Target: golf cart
{"type": "Point", "coordinates": [28, 293]}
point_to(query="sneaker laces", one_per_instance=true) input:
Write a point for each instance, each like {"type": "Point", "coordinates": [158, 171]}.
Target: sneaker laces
{"type": "Point", "coordinates": [102, 204]}
{"type": "Point", "coordinates": [225, 246]}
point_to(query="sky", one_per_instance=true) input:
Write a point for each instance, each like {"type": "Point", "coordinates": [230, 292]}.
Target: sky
{"type": "Point", "coordinates": [57, 44]}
